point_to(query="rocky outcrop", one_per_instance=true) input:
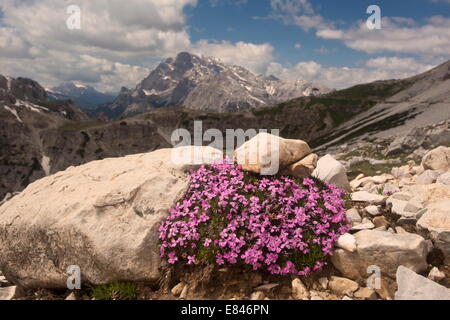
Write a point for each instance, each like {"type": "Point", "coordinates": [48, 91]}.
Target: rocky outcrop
{"type": "Point", "coordinates": [102, 216]}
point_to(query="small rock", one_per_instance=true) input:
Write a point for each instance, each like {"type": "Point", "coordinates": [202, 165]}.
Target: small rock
{"type": "Point", "coordinates": [176, 291]}
{"type": "Point", "coordinates": [437, 221]}
{"type": "Point", "coordinates": [315, 297]}
{"type": "Point", "coordinates": [184, 293]}
{"type": "Point", "coordinates": [437, 159]}
{"type": "Point", "coordinates": [444, 179]}
{"type": "Point", "coordinates": [347, 242]}
{"type": "Point", "coordinates": [353, 216]}
{"type": "Point", "coordinates": [373, 210]}
{"type": "Point", "coordinates": [436, 275]}
{"type": "Point", "coordinates": [257, 295]}
{"type": "Point", "coordinates": [403, 196]}
{"type": "Point", "coordinates": [267, 287]}
{"type": "Point", "coordinates": [428, 177]}
{"type": "Point", "coordinates": [366, 224]}
{"type": "Point", "coordinates": [299, 291]}
{"type": "Point", "coordinates": [412, 286]}
{"type": "Point", "coordinates": [71, 296]}
{"type": "Point", "coordinates": [364, 196]}
{"type": "Point", "coordinates": [303, 168]}
{"type": "Point", "coordinates": [10, 293]}
{"type": "Point", "coordinates": [380, 222]}
{"type": "Point", "coordinates": [400, 230]}
{"type": "Point", "coordinates": [347, 298]}
{"type": "Point", "coordinates": [413, 206]}
{"type": "Point", "coordinates": [332, 171]}
{"type": "Point", "coordinates": [323, 283]}
{"type": "Point", "coordinates": [342, 286]}
{"type": "Point", "coordinates": [366, 294]}
{"type": "Point", "coordinates": [3, 280]}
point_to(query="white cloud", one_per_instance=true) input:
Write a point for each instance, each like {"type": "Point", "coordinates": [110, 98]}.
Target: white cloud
{"type": "Point", "coordinates": [398, 35]}
{"type": "Point", "coordinates": [116, 45]}
{"type": "Point", "coordinates": [298, 12]}
{"type": "Point", "coordinates": [254, 57]}
{"type": "Point", "coordinates": [380, 68]}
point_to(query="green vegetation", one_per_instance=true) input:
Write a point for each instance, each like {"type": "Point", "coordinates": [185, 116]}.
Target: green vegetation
{"type": "Point", "coordinates": [118, 290]}
{"type": "Point", "coordinates": [272, 110]}
{"type": "Point", "coordinates": [378, 90]}
{"type": "Point", "coordinates": [370, 170]}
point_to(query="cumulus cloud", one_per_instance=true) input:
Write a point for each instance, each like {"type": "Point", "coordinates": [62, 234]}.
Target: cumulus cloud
{"type": "Point", "coordinates": [380, 68]}
{"type": "Point", "coordinates": [254, 57]}
{"type": "Point", "coordinates": [116, 45]}
{"type": "Point", "coordinates": [298, 12]}
{"type": "Point", "coordinates": [398, 35]}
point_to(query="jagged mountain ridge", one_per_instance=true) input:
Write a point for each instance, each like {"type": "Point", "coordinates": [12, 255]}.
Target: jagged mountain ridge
{"type": "Point", "coordinates": [206, 84]}
{"type": "Point", "coordinates": [86, 97]}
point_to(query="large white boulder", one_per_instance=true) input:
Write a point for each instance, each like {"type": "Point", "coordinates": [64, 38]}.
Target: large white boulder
{"type": "Point", "coordinates": [383, 249]}
{"type": "Point", "coordinates": [102, 216]}
{"type": "Point", "coordinates": [437, 159]}
{"type": "Point", "coordinates": [269, 154]}
{"type": "Point", "coordinates": [412, 286]}
{"type": "Point", "coordinates": [332, 171]}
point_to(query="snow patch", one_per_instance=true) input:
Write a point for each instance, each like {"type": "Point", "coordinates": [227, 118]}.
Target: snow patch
{"type": "Point", "coordinates": [270, 90]}
{"type": "Point", "coordinates": [14, 112]}
{"type": "Point", "coordinates": [30, 106]}
{"type": "Point", "coordinates": [45, 164]}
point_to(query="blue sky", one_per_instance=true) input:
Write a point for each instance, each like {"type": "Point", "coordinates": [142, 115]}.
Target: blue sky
{"type": "Point", "coordinates": [248, 21]}
{"type": "Point", "coordinates": [118, 43]}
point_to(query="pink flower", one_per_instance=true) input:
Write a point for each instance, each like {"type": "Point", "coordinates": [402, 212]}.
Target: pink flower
{"type": "Point", "coordinates": [267, 223]}
{"type": "Point", "coordinates": [207, 242]}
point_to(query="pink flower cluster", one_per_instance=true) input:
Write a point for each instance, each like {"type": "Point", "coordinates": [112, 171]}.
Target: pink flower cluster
{"type": "Point", "coordinates": [278, 224]}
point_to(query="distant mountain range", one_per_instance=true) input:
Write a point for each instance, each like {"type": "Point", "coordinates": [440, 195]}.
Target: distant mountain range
{"type": "Point", "coordinates": [86, 97]}
{"type": "Point", "coordinates": [206, 84]}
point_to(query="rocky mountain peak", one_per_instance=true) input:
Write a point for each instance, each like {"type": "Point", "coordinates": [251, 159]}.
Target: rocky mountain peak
{"type": "Point", "coordinates": [20, 88]}
{"type": "Point", "coordinates": [207, 84]}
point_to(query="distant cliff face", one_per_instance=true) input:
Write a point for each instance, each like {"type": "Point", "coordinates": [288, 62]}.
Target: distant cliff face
{"type": "Point", "coordinates": [207, 84]}
{"type": "Point", "coordinates": [26, 116]}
